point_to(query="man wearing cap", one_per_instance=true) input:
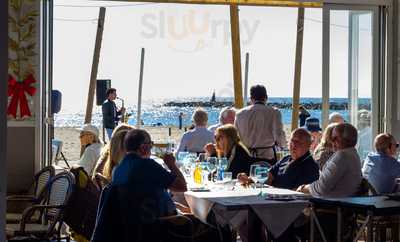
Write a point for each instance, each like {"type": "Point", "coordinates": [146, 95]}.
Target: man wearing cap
{"type": "Point", "coordinates": [312, 126]}
{"type": "Point", "coordinates": [91, 147]}
{"type": "Point", "coordinates": [260, 126]}
{"type": "Point", "coordinates": [110, 112]}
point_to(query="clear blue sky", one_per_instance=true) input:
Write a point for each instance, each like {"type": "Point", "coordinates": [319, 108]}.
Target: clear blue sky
{"type": "Point", "coordinates": [188, 50]}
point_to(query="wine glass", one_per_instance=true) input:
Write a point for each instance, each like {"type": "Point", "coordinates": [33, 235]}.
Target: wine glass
{"type": "Point", "coordinates": [262, 176]}
{"type": "Point", "coordinates": [223, 163]}
{"type": "Point", "coordinates": [253, 174]}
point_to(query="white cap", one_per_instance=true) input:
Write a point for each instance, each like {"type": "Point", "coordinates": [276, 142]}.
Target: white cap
{"type": "Point", "coordinates": [90, 128]}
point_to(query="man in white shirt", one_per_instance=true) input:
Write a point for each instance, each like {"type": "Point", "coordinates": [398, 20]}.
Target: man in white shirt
{"type": "Point", "coordinates": [194, 140]}
{"type": "Point", "coordinates": [341, 176]}
{"type": "Point", "coordinates": [226, 116]}
{"type": "Point", "coordinates": [260, 126]}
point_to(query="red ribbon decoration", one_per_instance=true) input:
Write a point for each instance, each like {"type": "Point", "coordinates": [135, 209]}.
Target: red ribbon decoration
{"type": "Point", "coordinates": [16, 90]}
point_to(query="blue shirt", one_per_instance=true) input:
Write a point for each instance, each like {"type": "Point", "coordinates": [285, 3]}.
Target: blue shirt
{"type": "Point", "coordinates": [291, 174]}
{"type": "Point", "coordinates": [381, 170]}
{"type": "Point", "coordinates": [194, 140]}
{"type": "Point", "coordinates": [148, 178]}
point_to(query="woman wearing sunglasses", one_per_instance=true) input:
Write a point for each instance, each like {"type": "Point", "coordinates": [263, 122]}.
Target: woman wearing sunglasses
{"type": "Point", "coordinates": [228, 144]}
{"type": "Point", "coordinates": [381, 168]}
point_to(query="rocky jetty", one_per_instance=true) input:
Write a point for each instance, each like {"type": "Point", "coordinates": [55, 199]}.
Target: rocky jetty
{"type": "Point", "coordinates": [280, 105]}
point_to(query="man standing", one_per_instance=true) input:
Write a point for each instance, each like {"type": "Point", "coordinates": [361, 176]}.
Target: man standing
{"type": "Point", "coordinates": [260, 126]}
{"type": "Point", "coordinates": [110, 112]}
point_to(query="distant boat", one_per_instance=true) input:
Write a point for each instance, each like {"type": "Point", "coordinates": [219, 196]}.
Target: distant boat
{"type": "Point", "coordinates": [213, 97]}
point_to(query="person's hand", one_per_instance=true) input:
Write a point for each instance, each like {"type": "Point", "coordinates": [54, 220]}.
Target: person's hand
{"type": "Point", "coordinates": [122, 110]}
{"type": "Point", "coordinates": [244, 179]}
{"type": "Point", "coordinates": [169, 160]}
{"type": "Point", "coordinates": [210, 149]}
{"type": "Point", "coordinates": [303, 189]}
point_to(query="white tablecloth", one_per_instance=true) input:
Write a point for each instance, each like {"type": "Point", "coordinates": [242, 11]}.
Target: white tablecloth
{"type": "Point", "coordinates": [276, 215]}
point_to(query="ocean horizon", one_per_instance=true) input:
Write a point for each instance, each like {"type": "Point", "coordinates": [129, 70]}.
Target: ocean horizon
{"type": "Point", "coordinates": [154, 113]}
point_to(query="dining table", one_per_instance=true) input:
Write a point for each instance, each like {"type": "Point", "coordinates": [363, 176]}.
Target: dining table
{"type": "Point", "coordinates": [238, 206]}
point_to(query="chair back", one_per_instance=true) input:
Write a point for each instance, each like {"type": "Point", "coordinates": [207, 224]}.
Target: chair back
{"type": "Point", "coordinates": [101, 181]}
{"type": "Point", "coordinates": [366, 188]}
{"type": "Point", "coordinates": [60, 189]}
{"type": "Point", "coordinates": [42, 179]}
{"type": "Point", "coordinates": [56, 146]}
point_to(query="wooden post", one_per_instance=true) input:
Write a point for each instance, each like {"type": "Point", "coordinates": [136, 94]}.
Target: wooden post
{"type": "Point", "coordinates": [246, 80]}
{"type": "Point", "coordinates": [139, 110]}
{"type": "Point", "coordinates": [237, 68]}
{"type": "Point", "coordinates": [95, 65]}
{"type": "Point", "coordinates": [3, 114]}
{"type": "Point", "coordinates": [297, 68]}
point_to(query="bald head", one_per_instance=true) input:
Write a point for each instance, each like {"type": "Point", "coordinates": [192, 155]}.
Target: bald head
{"type": "Point", "coordinates": [300, 142]}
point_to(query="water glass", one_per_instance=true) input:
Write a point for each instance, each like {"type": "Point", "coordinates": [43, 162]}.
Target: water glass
{"type": "Point", "coordinates": [223, 163]}
{"type": "Point", "coordinates": [182, 156]}
{"type": "Point", "coordinates": [253, 174]}
{"type": "Point", "coordinates": [227, 176]}
{"type": "Point", "coordinates": [262, 175]}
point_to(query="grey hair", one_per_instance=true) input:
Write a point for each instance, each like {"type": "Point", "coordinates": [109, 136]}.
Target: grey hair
{"type": "Point", "coordinates": [200, 117]}
{"type": "Point", "coordinates": [348, 134]}
{"type": "Point", "coordinates": [334, 116]}
{"type": "Point", "coordinates": [224, 113]}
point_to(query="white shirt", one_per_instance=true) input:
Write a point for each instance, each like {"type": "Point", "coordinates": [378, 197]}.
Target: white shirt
{"type": "Point", "coordinates": [194, 140]}
{"type": "Point", "coordinates": [90, 157]}
{"type": "Point", "coordinates": [341, 176]}
{"type": "Point", "coordinates": [260, 125]}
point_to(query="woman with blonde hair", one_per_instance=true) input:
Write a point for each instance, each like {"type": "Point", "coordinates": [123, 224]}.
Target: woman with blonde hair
{"type": "Point", "coordinates": [324, 149]}
{"type": "Point", "coordinates": [117, 153]}
{"type": "Point", "coordinates": [228, 145]}
{"type": "Point", "coordinates": [106, 150]}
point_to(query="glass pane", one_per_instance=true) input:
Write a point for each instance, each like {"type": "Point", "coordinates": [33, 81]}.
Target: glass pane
{"type": "Point", "coordinates": [351, 71]}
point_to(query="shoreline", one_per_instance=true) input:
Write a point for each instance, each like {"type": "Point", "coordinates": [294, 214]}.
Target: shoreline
{"type": "Point", "coordinates": [71, 144]}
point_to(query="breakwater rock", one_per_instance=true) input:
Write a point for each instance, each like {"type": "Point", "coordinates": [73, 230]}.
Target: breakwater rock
{"type": "Point", "coordinates": [280, 105]}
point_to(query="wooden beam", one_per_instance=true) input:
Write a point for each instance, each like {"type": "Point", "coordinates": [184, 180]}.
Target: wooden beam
{"type": "Point", "coordinates": [237, 64]}
{"type": "Point", "coordinates": [274, 3]}
{"type": "Point", "coordinates": [95, 66]}
{"type": "Point", "coordinates": [3, 114]}
{"type": "Point", "coordinates": [297, 69]}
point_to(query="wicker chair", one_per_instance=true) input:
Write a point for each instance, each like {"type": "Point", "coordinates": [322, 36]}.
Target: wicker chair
{"type": "Point", "coordinates": [41, 179]}
{"type": "Point", "coordinates": [101, 181]}
{"type": "Point", "coordinates": [59, 189]}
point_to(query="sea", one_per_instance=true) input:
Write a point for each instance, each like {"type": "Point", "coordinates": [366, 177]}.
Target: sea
{"type": "Point", "coordinates": [154, 113]}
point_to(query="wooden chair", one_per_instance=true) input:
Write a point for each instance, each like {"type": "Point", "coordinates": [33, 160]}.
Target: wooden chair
{"type": "Point", "coordinates": [41, 179]}
{"type": "Point", "coordinates": [51, 219]}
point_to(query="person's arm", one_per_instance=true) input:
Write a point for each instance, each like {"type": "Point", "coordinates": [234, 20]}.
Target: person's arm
{"type": "Point", "coordinates": [182, 144]}
{"type": "Point", "coordinates": [329, 177]}
{"type": "Point", "coordinates": [179, 184]}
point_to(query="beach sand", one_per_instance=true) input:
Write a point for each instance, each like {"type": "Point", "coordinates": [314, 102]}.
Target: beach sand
{"type": "Point", "coordinates": [71, 146]}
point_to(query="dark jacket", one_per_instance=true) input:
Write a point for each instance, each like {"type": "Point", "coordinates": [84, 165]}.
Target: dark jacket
{"type": "Point", "coordinates": [110, 114]}
{"type": "Point", "coordinates": [241, 161]}
{"type": "Point", "coordinates": [291, 174]}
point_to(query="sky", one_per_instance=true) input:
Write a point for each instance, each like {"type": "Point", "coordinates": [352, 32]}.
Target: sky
{"type": "Point", "coordinates": [188, 50]}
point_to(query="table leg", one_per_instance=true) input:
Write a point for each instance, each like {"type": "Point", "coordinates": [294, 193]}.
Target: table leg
{"type": "Point", "coordinates": [312, 228]}
{"type": "Point", "coordinates": [370, 229]}
{"type": "Point", "coordinates": [339, 225]}
{"type": "Point", "coordinates": [254, 225]}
